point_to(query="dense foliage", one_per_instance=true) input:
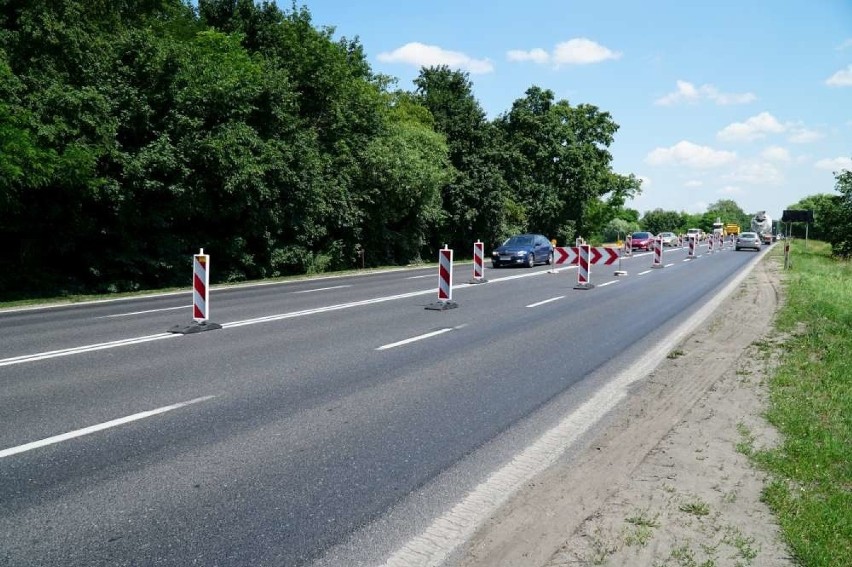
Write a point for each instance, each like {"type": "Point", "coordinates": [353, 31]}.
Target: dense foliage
{"type": "Point", "coordinates": [134, 132]}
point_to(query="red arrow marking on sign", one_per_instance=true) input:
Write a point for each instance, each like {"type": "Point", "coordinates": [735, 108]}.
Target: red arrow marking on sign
{"type": "Point", "coordinates": [596, 255]}
{"type": "Point", "coordinates": [613, 256]}
{"type": "Point", "coordinates": [565, 255]}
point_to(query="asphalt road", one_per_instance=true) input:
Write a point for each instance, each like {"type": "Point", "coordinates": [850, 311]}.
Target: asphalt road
{"type": "Point", "coordinates": [328, 421]}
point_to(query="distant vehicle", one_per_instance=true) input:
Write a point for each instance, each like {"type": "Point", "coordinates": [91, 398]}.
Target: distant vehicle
{"type": "Point", "coordinates": [749, 240]}
{"type": "Point", "coordinates": [761, 224]}
{"type": "Point", "coordinates": [669, 238]}
{"type": "Point", "coordinates": [642, 241]}
{"type": "Point", "coordinates": [718, 226]}
{"type": "Point", "coordinates": [523, 250]}
{"type": "Point", "coordinates": [696, 233]}
{"type": "Point", "coordinates": [731, 228]}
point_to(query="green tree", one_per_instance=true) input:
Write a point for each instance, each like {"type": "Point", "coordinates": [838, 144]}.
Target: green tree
{"type": "Point", "coordinates": [658, 221]}
{"type": "Point", "coordinates": [556, 161]}
{"type": "Point", "coordinates": [839, 217]}
{"type": "Point", "coordinates": [823, 206]}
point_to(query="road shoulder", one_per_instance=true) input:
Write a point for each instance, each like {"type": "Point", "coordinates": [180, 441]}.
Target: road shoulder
{"type": "Point", "coordinates": [665, 481]}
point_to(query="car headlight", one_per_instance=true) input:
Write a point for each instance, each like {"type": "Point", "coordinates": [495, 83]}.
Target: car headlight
{"type": "Point", "coordinates": [521, 253]}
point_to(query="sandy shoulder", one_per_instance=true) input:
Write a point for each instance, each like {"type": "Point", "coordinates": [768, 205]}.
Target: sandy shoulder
{"type": "Point", "coordinates": [665, 483]}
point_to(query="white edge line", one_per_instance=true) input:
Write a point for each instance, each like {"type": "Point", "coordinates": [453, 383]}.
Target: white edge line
{"type": "Point", "coordinates": [546, 301]}
{"type": "Point", "coordinates": [95, 428]}
{"type": "Point", "coordinates": [435, 544]}
{"type": "Point", "coordinates": [414, 339]}
{"type": "Point", "coordinates": [86, 348]}
{"type": "Point", "coordinates": [323, 288]}
{"type": "Point", "coordinates": [645, 272]}
{"type": "Point", "coordinates": [669, 265]}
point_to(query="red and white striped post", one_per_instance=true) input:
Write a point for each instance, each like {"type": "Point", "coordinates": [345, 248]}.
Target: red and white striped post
{"type": "Point", "coordinates": [692, 242]}
{"type": "Point", "coordinates": [200, 287]}
{"type": "Point", "coordinates": [658, 253]}
{"type": "Point", "coordinates": [478, 258]}
{"type": "Point", "coordinates": [583, 267]}
{"type": "Point", "coordinates": [628, 245]}
{"type": "Point", "coordinates": [445, 281]}
{"type": "Point", "coordinates": [200, 297]}
{"type": "Point", "coordinates": [710, 243]}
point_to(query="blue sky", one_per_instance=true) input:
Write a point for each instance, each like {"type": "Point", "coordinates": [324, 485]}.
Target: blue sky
{"type": "Point", "coordinates": [747, 100]}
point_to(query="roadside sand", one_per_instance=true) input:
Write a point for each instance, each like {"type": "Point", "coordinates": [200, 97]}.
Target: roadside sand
{"type": "Point", "coordinates": [664, 484]}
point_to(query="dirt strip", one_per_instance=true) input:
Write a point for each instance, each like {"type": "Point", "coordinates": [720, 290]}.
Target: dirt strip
{"type": "Point", "coordinates": [665, 483]}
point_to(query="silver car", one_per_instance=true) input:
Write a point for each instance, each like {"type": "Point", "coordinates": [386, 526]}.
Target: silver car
{"type": "Point", "coordinates": [747, 240]}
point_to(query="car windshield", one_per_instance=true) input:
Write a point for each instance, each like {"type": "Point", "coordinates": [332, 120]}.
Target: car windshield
{"type": "Point", "coordinates": [641, 235]}
{"type": "Point", "coordinates": [748, 235]}
{"type": "Point", "coordinates": [519, 241]}
{"type": "Point", "coordinates": [667, 234]}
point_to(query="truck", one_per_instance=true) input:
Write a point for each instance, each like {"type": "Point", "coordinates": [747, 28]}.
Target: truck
{"type": "Point", "coordinates": [731, 229]}
{"type": "Point", "coordinates": [719, 226]}
{"type": "Point", "coordinates": [761, 223]}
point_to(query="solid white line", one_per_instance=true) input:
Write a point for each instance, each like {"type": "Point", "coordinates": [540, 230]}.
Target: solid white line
{"type": "Point", "coordinates": [668, 265]}
{"type": "Point", "coordinates": [546, 301]}
{"type": "Point", "coordinates": [607, 283]}
{"type": "Point", "coordinates": [266, 319]}
{"type": "Point", "coordinates": [85, 348]}
{"type": "Point", "coordinates": [420, 277]}
{"type": "Point", "coordinates": [322, 289]}
{"type": "Point", "coordinates": [187, 307]}
{"type": "Point", "coordinates": [645, 272]}
{"type": "Point", "coordinates": [96, 428]}
{"type": "Point", "coordinates": [414, 339]}
{"type": "Point", "coordinates": [438, 541]}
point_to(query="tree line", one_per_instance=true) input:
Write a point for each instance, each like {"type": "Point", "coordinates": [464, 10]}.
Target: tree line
{"type": "Point", "coordinates": [134, 132]}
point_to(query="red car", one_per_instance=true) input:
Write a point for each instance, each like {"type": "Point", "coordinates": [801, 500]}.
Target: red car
{"type": "Point", "coordinates": [642, 241]}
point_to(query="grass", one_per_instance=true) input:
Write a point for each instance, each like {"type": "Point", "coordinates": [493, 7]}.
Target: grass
{"type": "Point", "coordinates": [811, 406]}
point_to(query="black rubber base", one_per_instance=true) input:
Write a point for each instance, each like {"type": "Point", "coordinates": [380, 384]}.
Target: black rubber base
{"type": "Point", "coordinates": [442, 305]}
{"type": "Point", "coordinates": [584, 286]}
{"type": "Point", "coordinates": [479, 280]}
{"type": "Point", "coordinates": [195, 327]}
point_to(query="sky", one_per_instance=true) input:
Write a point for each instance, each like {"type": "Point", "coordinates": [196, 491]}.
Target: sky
{"type": "Point", "coordinates": [747, 100]}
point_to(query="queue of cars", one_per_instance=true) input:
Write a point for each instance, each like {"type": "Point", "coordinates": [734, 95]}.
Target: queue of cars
{"type": "Point", "coordinates": [531, 249]}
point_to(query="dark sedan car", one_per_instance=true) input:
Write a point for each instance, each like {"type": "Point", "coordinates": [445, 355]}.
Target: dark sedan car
{"type": "Point", "coordinates": [523, 250]}
{"type": "Point", "coordinates": [747, 240]}
{"type": "Point", "coordinates": [642, 241]}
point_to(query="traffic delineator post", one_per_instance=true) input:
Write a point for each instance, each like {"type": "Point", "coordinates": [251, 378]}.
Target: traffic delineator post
{"type": "Point", "coordinates": [478, 258]}
{"type": "Point", "coordinates": [692, 242]}
{"type": "Point", "coordinates": [583, 267]}
{"type": "Point", "coordinates": [658, 253]}
{"type": "Point", "coordinates": [445, 282]}
{"type": "Point", "coordinates": [622, 253]}
{"type": "Point", "coordinates": [200, 297]}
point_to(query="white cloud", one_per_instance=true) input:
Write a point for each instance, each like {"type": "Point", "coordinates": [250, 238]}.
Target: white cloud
{"type": "Point", "coordinates": [776, 153]}
{"type": "Point", "coordinates": [842, 78]}
{"type": "Point", "coordinates": [577, 51]}
{"type": "Point", "coordinates": [690, 155]}
{"type": "Point", "coordinates": [537, 55]}
{"type": "Point", "coordinates": [646, 181]}
{"type": "Point", "coordinates": [423, 55]}
{"type": "Point", "coordinates": [729, 190]}
{"type": "Point", "coordinates": [693, 183]}
{"type": "Point", "coordinates": [687, 92]}
{"type": "Point", "coordinates": [755, 127]}
{"type": "Point", "coordinates": [802, 135]}
{"type": "Point", "coordinates": [582, 51]}
{"type": "Point", "coordinates": [756, 173]}
{"type": "Point", "coordinates": [835, 164]}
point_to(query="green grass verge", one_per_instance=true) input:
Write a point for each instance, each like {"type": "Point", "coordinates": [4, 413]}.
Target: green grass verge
{"type": "Point", "coordinates": [811, 405]}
